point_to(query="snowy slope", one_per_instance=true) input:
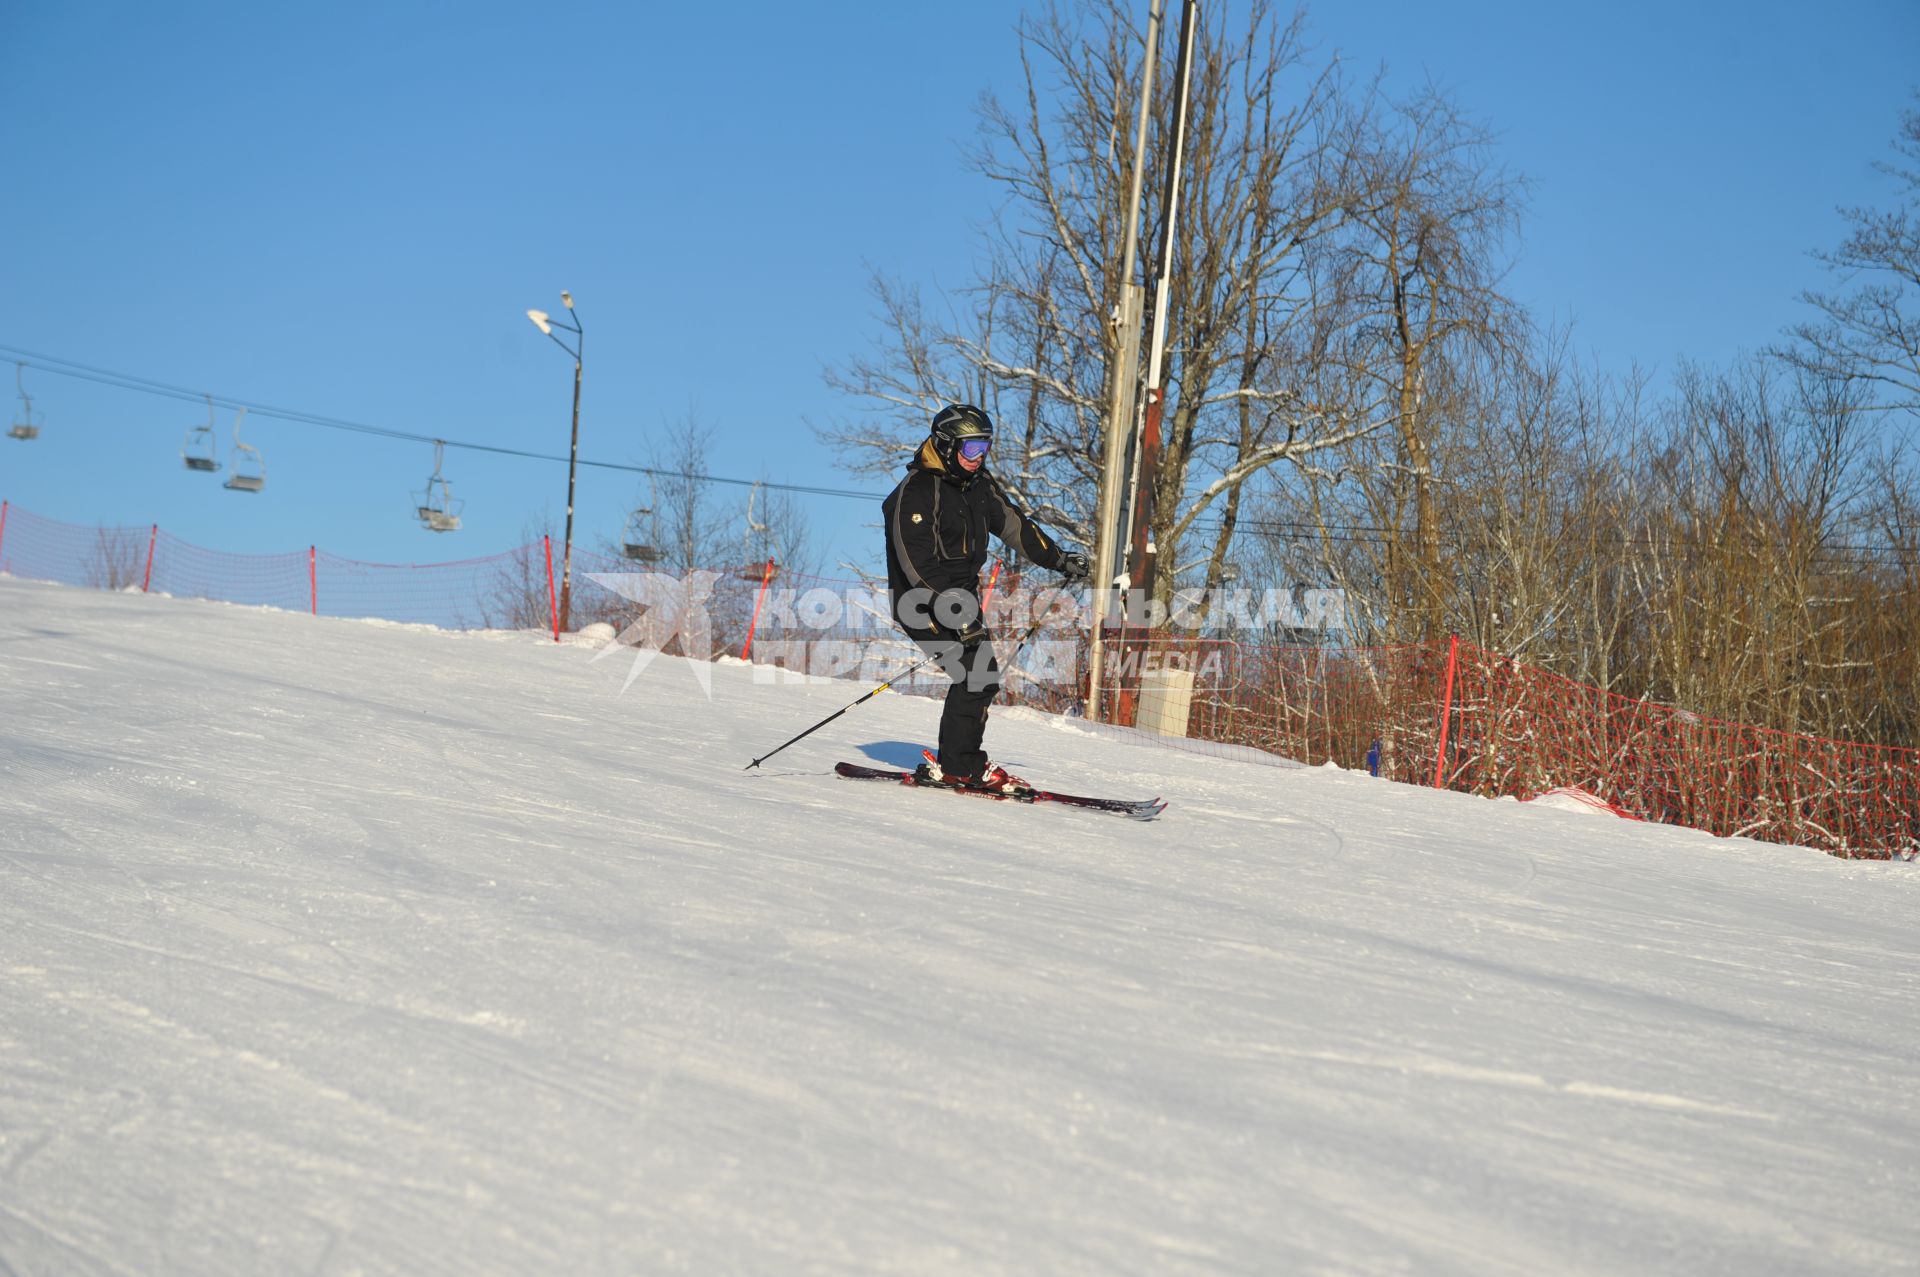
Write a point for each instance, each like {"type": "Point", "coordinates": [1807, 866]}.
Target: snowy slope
{"type": "Point", "coordinates": [331, 947]}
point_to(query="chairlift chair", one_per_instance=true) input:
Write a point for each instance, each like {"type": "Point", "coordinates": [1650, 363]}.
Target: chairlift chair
{"type": "Point", "coordinates": [633, 544]}
{"type": "Point", "coordinates": [437, 508]}
{"type": "Point", "coordinates": [249, 467]}
{"type": "Point", "coordinates": [752, 572]}
{"type": "Point", "coordinates": [26, 427]}
{"type": "Point", "coordinates": [198, 450]}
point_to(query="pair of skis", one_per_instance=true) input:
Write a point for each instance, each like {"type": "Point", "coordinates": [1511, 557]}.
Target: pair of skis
{"type": "Point", "coordinates": [1142, 809]}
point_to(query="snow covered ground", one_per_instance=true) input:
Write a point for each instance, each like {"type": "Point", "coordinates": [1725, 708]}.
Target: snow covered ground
{"type": "Point", "coordinates": [331, 947]}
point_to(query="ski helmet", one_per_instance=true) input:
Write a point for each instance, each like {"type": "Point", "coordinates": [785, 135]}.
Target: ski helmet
{"type": "Point", "coordinates": [953, 425]}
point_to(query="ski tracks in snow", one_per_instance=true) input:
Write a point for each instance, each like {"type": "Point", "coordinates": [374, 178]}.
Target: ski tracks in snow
{"type": "Point", "coordinates": [329, 947]}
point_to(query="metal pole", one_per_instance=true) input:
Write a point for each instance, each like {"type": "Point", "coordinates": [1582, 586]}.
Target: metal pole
{"type": "Point", "coordinates": [1147, 459]}
{"type": "Point", "coordinates": [1446, 711]}
{"type": "Point", "coordinates": [553, 604]}
{"type": "Point", "coordinates": [573, 460]}
{"type": "Point", "coordinates": [1125, 373]}
{"type": "Point", "coordinates": [766, 579]}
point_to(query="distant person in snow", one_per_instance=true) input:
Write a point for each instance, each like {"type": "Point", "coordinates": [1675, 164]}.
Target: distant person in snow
{"type": "Point", "coordinates": [937, 522]}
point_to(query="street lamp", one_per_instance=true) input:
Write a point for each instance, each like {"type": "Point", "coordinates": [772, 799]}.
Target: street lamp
{"type": "Point", "coordinates": [571, 324]}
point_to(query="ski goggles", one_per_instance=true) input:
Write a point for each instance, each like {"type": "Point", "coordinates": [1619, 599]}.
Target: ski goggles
{"type": "Point", "coordinates": [974, 449]}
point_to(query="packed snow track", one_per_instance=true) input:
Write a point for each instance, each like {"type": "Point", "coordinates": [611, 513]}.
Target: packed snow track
{"type": "Point", "coordinates": [337, 947]}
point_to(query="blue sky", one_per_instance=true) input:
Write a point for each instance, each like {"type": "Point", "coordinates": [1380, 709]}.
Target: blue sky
{"type": "Point", "coordinates": [346, 209]}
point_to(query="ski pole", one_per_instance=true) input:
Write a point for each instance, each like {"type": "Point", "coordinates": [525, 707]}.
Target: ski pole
{"type": "Point", "coordinates": [837, 713]}
{"type": "Point", "coordinates": [1031, 630]}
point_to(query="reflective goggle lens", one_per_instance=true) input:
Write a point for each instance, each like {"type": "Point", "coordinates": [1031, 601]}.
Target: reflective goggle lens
{"type": "Point", "coordinates": [974, 449]}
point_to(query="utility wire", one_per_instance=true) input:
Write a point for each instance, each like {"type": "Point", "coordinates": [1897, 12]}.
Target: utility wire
{"type": "Point", "coordinates": [146, 385]}
{"type": "Point", "coordinates": [1369, 534]}
{"type": "Point", "coordinates": [1347, 533]}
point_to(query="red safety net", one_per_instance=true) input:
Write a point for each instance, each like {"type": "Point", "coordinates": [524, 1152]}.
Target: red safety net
{"type": "Point", "coordinates": [488, 592]}
{"type": "Point", "coordinates": [1513, 730]}
{"type": "Point", "coordinates": [1508, 729]}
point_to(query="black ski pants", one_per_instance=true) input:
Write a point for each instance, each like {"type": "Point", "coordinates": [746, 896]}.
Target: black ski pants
{"type": "Point", "coordinates": [976, 681]}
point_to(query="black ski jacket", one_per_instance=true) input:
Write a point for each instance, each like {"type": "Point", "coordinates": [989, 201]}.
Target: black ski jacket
{"type": "Point", "coordinates": [937, 526]}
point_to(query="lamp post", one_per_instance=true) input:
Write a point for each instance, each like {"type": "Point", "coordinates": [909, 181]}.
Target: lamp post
{"type": "Point", "coordinates": [546, 324]}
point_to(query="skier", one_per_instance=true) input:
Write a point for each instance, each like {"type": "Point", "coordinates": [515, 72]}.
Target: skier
{"type": "Point", "coordinates": [937, 523]}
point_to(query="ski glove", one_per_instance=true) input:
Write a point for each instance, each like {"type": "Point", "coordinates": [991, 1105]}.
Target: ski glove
{"type": "Point", "coordinates": [1074, 567]}
{"type": "Point", "coordinates": [969, 634]}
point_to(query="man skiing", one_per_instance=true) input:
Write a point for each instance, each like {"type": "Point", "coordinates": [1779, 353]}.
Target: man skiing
{"type": "Point", "coordinates": [937, 523]}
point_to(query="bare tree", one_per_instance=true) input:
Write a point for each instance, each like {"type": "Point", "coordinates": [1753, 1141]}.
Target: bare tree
{"type": "Point", "coordinates": [1417, 275]}
{"type": "Point", "coordinates": [1528, 497]}
{"type": "Point", "coordinates": [682, 519]}
{"type": "Point", "coordinates": [1269, 168]}
{"type": "Point", "coordinates": [1887, 683]}
{"type": "Point", "coordinates": [688, 519]}
{"type": "Point", "coordinates": [1527, 507]}
{"type": "Point", "coordinates": [1871, 332]}
{"type": "Point", "coordinates": [1741, 562]}
{"type": "Point", "coordinates": [517, 594]}
{"type": "Point", "coordinates": [117, 559]}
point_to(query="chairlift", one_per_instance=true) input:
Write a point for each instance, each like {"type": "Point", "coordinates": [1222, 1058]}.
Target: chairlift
{"type": "Point", "coordinates": [748, 533]}
{"type": "Point", "coordinates": [27, 427]}
{"type": "Point", "coordinates": [249, 467]}
{"type": "Point", "coordinates": [198, 450]}
{"type": "Point", "coordinates": [752, 571]}
{"type": "Point", "coordinates": [437, 508]}
{"type": "Point", "coordinates": [634, 544]}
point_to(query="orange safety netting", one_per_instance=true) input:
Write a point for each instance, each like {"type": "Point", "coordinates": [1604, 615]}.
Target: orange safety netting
{"type": "Point", "coordinates": [1513, 730]}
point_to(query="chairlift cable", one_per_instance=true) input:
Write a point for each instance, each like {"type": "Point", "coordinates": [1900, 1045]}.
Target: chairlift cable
{"type": "Point", "coordinates": [145, 385]}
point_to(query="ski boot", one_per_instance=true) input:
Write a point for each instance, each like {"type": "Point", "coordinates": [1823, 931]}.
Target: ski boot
{"type": "Point", "coordinates": [998, 780]}
{"type": "Point", "coordinates": [993, 778]}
